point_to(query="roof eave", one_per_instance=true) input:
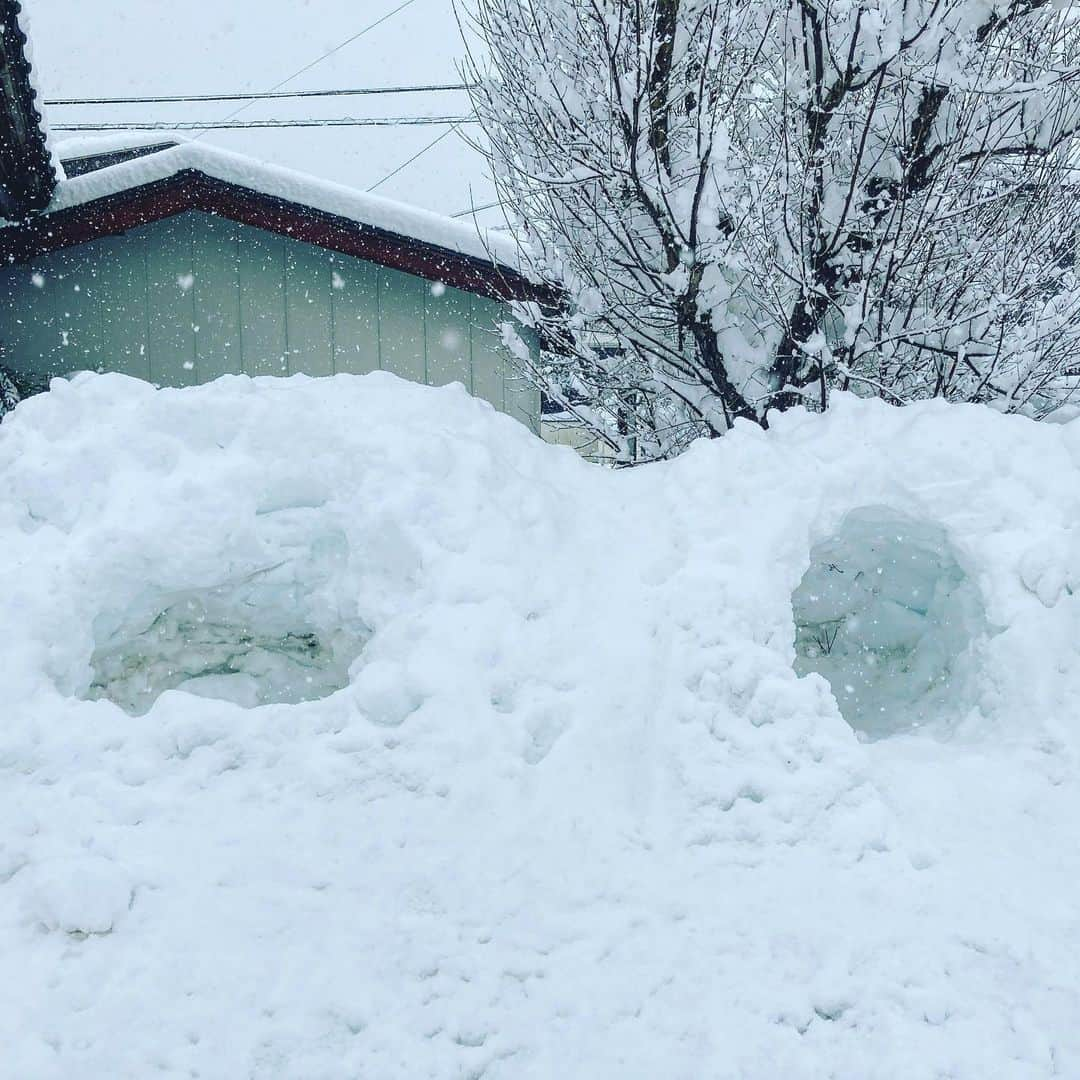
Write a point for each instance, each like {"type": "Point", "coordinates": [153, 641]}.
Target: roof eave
{"type": "Point", "coordinates": [193, 190]}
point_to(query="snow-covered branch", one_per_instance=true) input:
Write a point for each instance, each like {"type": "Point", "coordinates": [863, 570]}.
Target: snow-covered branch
{"type": "Point", "coordinates": [749, 205]}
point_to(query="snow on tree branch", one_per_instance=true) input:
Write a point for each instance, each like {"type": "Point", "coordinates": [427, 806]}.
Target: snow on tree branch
{"type": "Point", "coordinates": [752, 205]}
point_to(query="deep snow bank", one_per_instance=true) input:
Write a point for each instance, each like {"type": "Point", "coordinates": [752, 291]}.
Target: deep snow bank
{"type": "Point", "coordinates": [350, 731]}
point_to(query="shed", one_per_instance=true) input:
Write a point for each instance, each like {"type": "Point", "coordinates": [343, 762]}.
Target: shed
{"type": "Point", "coordinates": [177, 263]}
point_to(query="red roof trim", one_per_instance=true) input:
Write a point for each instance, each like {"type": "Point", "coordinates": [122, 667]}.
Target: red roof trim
{"type": "Point", "coordinates": [193, 190]}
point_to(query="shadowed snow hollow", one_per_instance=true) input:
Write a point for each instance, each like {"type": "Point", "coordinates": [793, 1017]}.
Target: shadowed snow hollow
{"type": "Point", "coordinates": [348, 730]}
{"type": "Point", "coordinates": [887, 615]}
{"type": "Point", "coordinates": [253, 641]}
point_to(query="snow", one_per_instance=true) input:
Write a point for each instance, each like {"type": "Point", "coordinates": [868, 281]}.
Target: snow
{"type": "Point", "coordinates": [70, 147]}
{"type": "Point", "coordinates": [410, 221]}
{"type": "Point", "coordinates": [77, 894]}
{"type": "Point", "coordinates": [24, 21]}
{"type": "Point", "coordinates": [571, 811]}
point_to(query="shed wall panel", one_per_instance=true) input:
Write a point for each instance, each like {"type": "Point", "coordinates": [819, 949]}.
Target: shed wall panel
{"type": "Point", "coordinates": [521, 397]}
{"type": "Point", "coordinates": [48, 283]}
{"type": "Point", "coordinates": [307, 309]}
{"type": "Point", "coordinates": [122, 305]}
{"type": "Point", "coordinates": [78, 313]}
{"type": "Point", "coordinates": [216, 269]}
{"type": "Point", "coordinates": [401, 324]}
{"type": "Point", "coordinates": [262, 302]}
{"type": "Point", "coordinates": [354, 297]}
{"type": "Point", "coordinates": [447, 315]}
{"type": "Point", "coordinates": [488, 359]}
{"type": "Point", "coordinates": [22, 338]}
{"type": "Point", "coordinates": [170, 303]}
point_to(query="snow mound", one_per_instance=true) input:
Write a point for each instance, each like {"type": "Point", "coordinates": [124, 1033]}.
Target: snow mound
{"type": "Point", "coordinates": [78, 895]}
{"type": "Point", "coordinates": [349, 730]}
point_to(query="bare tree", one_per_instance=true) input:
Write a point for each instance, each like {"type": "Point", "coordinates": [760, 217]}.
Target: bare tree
{"type": "Point", "coordinates": [750, 205]}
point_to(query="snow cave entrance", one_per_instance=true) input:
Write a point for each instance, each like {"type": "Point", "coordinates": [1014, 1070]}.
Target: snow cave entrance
{"type": "Point", "coordinates": [256, 642]}
{"type": "Point", "coordinates": [887, 615]}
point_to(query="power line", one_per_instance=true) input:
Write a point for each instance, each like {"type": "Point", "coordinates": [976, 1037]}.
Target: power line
{"type": "Point", "coordinates": [420, 153]}
{"type": "Point", "coordinates": [318, 60]}
{"type": "Point", "coordinates": [346, 42]}
{"type": "Point", "coordinates": [246, 125]}
{"type": "Point", "coordinates": [476, 209]}
{"type": "Point", "coordinates": [248, 100]}
{"type": "Point", "coordinates": [169, 99]}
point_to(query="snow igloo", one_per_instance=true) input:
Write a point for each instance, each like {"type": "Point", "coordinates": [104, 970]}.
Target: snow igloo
{"type": "Point", "coordinates": [888, 616]}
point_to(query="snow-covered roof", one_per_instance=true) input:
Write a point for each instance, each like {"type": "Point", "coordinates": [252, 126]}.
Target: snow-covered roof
{"type": "Point", "coordinates": [290, 186]}
{"type": "Point", "coordinates": [79, 156]}
{"type": "Point", "coordinates": [28, 168]}
{"type": "Point", "coordinates": [67, 147]}
{"type": "Point", "coordinates": [33, 77]}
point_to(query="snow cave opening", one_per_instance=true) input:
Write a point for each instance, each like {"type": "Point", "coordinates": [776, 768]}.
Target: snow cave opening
{"type": "Point", "coordinates": [256, 642]}
{"type": "Point", "coordinates": [887, 615]}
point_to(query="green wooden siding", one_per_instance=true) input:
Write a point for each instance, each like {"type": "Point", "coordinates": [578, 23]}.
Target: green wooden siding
{"type": "Point", "coordinates": [194, 297]}
{"type": "Point", "coordinates": [170, 313]}
{"type": "Point", "coordinates": [354, 294]}
{"type": "Point", "coordinates": [215, 262]}
{"type": "Point", "coordinates": [262, 303]}
{"type": "Point", "coordinates": [308, 309]}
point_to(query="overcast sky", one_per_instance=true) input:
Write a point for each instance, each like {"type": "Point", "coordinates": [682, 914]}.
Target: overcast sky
{"type": "Point", "coordinates": [86, 48]}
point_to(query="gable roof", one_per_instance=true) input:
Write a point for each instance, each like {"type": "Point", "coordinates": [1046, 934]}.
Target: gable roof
{"type": "Point", "coordinates": [27, 175]}
{"type": "Point", "coordinates": [192, 176]}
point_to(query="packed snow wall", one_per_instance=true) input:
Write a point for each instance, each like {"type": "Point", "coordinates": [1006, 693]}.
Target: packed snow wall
{"type": "Point", "coordinates": [350, 730]}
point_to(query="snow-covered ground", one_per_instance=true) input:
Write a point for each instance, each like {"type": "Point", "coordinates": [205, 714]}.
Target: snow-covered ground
{"type": "Point", "coordinates": [571, 813]}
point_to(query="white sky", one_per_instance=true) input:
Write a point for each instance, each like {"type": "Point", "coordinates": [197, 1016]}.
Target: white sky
{"type": "Point", "coordinates": [118, 47]}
